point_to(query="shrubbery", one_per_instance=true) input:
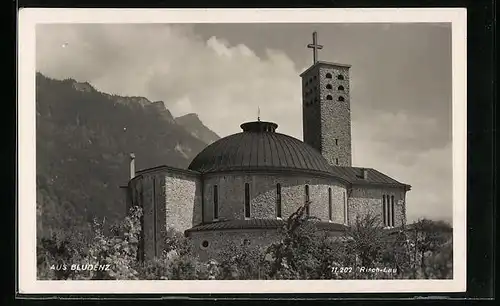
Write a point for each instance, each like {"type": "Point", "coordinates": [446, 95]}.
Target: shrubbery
{"type": "Point", "coordinates": [421, 250]}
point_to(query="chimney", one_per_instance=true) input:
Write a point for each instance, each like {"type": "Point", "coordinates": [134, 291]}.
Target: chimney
{"type": "Point", "coordinates": [365, 174]}
{"type": "Point", "coordinates": [132, 165]}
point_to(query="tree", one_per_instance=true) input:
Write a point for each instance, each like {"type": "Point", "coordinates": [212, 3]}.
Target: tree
{"type": "Point", "coordinates": [177, 261]}
{"type": "Point", "coordinates": [365, 240]}
{"type": "Point", "coordinates": [429, 237]}
{"type": "Point", "coordinates": [242, 261]}
{"type": "Point", "coordinates": [304, 251]}
{"type": "Point", "coordinates": [118, 251]}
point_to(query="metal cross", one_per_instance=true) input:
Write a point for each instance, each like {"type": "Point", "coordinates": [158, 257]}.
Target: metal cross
{"type": "Point", "coordinates": [258, 113]}
{"type": "Point", "coordinates": [315, 47]}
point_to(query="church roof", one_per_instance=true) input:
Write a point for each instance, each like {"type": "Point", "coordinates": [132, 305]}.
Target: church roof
{"type": "Point", "coordinates": [323, 64]}
{"type": "Point", "coordinates": [257, 224]}
{"type": "Point", "coordinates": [259, 147]}
{"type": "Point", "coordinates": [354, 175]}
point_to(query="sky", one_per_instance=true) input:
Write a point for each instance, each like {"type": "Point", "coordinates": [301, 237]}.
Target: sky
{"type": "Point", "coordinates": [401, 84]}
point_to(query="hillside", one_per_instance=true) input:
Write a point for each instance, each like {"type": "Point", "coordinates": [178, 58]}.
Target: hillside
{"type": "Point", "coordinates": [84, 138]}
{"type": "Point", "coordinates": [192, 123]}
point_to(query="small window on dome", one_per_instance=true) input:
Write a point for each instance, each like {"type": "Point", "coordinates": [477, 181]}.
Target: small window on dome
{"type": "Point", "coordinates": [329, 97]}
{"type": "Point", "coordinates": [341, 98]}
{"type": "Point", "coordinates": [205, 244]}
{"type": "Point", "coordinates": [328, 86]}
{"type": "Point", "coordinates": [328, 75]}
{"type": "Point", "coordinates": [341, 88]}
{"type": "Point", "coordinates": [340, 77]}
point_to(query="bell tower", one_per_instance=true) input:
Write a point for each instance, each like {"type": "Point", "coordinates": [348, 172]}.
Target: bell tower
{"type": "Point", "coordinates": [326, 111]}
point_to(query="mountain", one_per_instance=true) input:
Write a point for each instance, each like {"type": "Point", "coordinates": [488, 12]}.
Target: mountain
{"type": "Point", "coordinates": [83, 141]}
{"type": "Point", "coordinates": [192, 123]}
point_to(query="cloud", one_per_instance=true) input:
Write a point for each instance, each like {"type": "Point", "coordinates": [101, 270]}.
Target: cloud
{"type": "Point", "coordinates": [383, 143]}
{"type": "Point", "coordinates": [225, 83]}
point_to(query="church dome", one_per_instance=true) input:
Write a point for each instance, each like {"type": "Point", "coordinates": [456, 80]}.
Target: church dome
{"type": "Point", "coordinates": [259, 147]}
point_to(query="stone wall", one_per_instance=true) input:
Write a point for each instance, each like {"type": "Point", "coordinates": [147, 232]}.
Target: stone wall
{"type": "Point", "coordinates": [335, 116]}
{"type": "Point", "coordinates": [365, 200]}
{"type": "Point", "coordinates": [170, 200]}
{"type": "Point", "coordinates": [327, 123]}
{"type": "Point", "coordinates": [311, 110]}
{"type": "Point", "coordinates": [147, 193]}
{"type": "Point", "coordinates": [183, 201]}
{"type": "Point", "coordinates": [231, 189]}
{"type": "Point", "coordinates": [219, 241]}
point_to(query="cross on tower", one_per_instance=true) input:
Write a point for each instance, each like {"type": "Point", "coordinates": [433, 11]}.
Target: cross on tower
{"type": "Point", "coordinates": [315, 47]}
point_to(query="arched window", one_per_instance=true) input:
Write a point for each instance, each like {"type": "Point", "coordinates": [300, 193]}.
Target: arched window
{"type": "Point", "coordinates": [341, 99]}
{"type": "Point", "coordinates": [216, 202]}
{"type": "Point", "coordinates": [278, 200]}
{"type": "Point", "coordinates": [328, 86]}
{"type": "Point", "coordinates": [328, 75]}
{"type": "Point", "coordinates": [336, 161]}
{"type": "Point", "coordinates": [392, 210]}
{"type": "Point", "coordinates": [341, 88]}
{"type": "Point", "coordinates": [330, 204]}
{"type": "Point", "coordinates": [307, 199]}
{"type": "Point", "coordinates": [346, 212]}
{"type": "Point", "coordinates": [384, 210]}
{"type": "Point", "coordinates": [388, 210]}
{"type": "Point", "coordinates": [340, 77]}
{"type": "Point", "coordinates": [247, 200]}
{"type": "Point", "coordinates": [329, 97]}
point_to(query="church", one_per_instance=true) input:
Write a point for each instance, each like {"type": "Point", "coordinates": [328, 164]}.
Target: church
{"type": "Point", "coordinates": [243, 187]}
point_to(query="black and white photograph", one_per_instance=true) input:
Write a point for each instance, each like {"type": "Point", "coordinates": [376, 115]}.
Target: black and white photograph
{"type": "Point", "coordinates": [221, 147]}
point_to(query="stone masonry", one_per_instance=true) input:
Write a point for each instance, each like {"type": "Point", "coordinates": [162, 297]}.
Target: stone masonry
{"type": "Point", "coordinates": [177, 200]}
{"type": "Point", "coordinates": [219, 241]}
{"type": "Point", "coordinates": [183, 201]}
{"type": "Point", "coordinates": [231, 189]}
{"type": "Point", "coordinates": [364, 200]}
{"type": "Point", "coordinates": [170, 200]}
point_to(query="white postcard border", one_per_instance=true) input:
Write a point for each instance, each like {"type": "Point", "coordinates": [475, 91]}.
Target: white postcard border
{"type": "Point", "coordinates": [30, 17]}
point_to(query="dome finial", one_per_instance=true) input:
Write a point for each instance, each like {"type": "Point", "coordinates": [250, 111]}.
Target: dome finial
{"type": "Point", "coordinates": [258, 113]}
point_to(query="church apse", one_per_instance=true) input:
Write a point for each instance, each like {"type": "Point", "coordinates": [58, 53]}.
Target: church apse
{"type": "Point", "coordinates": [263, 196]}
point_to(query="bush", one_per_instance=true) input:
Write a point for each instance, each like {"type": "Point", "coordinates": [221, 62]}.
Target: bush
{"type": "Point", "coordinates": [303, 251]}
